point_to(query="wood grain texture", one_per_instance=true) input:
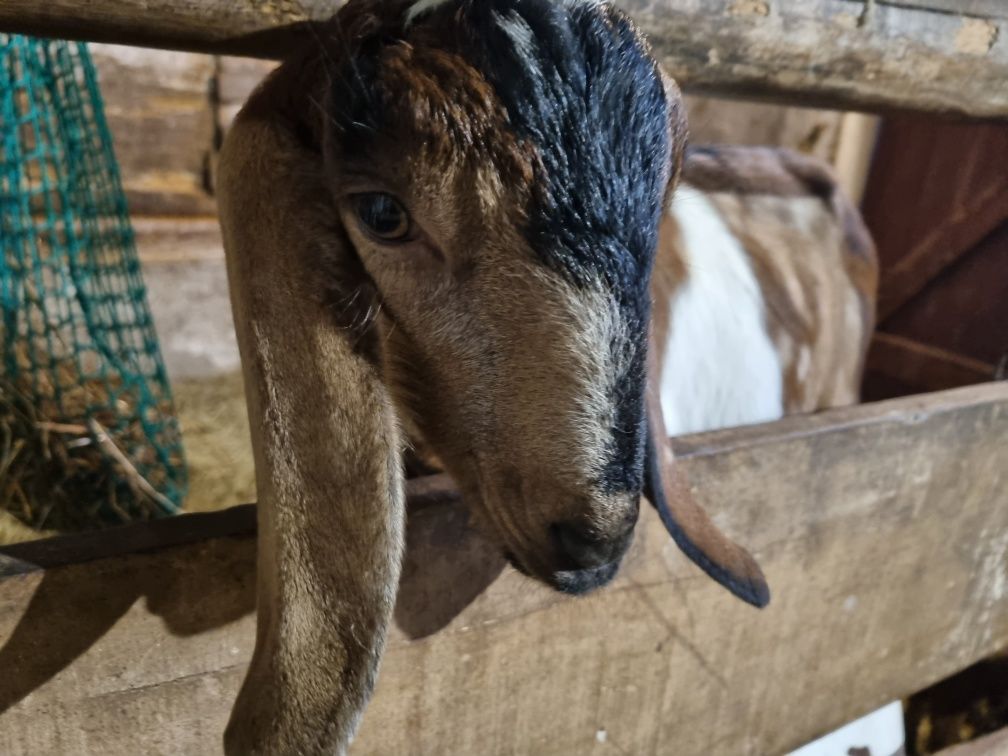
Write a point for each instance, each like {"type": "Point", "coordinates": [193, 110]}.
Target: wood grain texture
{"type": "Point", "coordinates": [964, 309]}
{"type": "Point", "coordinates": [829, 53]}
{"type": "Point", "coordinates": [995, 744]}
{"type": "Point", "coordinates": [714, 120]}
{"type": "Point", "coordinates": [160, 112]}
{"type": "Point", "coordinates": [919, 367]}
{"type": "Point", "coordinates": [883, 530]}
{"type": "Point", "coordinates": [996, 8]}
{"type": "Point", "coordinates": [934, 192]}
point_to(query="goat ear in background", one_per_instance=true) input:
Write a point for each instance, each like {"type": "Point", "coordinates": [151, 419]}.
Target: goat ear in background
{"type": "Point", "coordinates": [324, 436]}
{"type": "Point", "coordinates": [689, 525]}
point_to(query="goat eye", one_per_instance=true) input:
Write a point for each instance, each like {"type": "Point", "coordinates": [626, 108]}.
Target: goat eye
{"type": "Point", "coordinates": [382, 215]}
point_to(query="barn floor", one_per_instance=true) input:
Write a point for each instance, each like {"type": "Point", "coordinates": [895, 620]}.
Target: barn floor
{"type": "Point", "coordinates": [215, 431]}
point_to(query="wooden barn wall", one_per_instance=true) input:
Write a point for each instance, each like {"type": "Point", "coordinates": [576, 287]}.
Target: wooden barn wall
{"type": "Point", "coordinates": [937, 204]}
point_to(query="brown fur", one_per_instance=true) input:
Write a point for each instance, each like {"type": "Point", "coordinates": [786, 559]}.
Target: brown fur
{"type": "Point", "coordinates": [668, 275]}
{"type": "Point", "coordinates": [330, 504]}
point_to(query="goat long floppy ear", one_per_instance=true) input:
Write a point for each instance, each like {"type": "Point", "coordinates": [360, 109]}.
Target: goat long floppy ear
{"type": "Point", "coordinates": [324, 436]}
{"type": "Point", "coordinates": [693, 531]}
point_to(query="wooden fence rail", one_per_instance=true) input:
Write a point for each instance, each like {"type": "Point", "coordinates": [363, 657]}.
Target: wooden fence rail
{"type": "Point", "coordinates": [848, 54]}
{"type": "Point", "coordinates": [883, 530]}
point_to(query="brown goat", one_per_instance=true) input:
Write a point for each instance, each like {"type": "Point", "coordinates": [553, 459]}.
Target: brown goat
{"type": "Point", "coordinates": [440, 225]}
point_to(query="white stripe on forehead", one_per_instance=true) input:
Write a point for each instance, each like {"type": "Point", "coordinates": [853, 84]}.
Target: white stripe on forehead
{"type": "Point", "coordinates": [422, 7]}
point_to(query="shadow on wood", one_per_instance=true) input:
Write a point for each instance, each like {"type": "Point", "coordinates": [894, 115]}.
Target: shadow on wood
{"type": "Point", "coordinates": [67, 614]}
{"type": "Point", "coordinates": [446, 566]}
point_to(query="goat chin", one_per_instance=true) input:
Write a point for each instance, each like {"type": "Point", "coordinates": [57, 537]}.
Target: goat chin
{"type": "Point", "coordinates": [571, 582]}
{"type": "Point", "coordinates": [580, 582]}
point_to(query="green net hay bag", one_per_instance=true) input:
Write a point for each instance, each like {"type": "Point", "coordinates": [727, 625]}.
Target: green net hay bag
{"type": "Point", "coordinates": [88, 433]}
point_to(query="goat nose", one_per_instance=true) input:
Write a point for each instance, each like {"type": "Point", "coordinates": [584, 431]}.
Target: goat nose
{"type": "Point", "coordinates": [586, 549]}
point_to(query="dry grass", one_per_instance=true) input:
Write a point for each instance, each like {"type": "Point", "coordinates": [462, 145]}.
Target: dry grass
{"type": "Point", "coordinates": [214, 424]}
{"type": "Point", "coordinates": [12, 530]}
{"type": "Point", "coordinates": [62, 468]}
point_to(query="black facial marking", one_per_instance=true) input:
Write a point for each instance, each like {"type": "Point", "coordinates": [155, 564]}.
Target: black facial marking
{"type": "Point", "coordinates": [624, 467]}
{"type": "Point", "coordinates": [576, 83]}
{"type": "Point", "coordinates": [580, 582]}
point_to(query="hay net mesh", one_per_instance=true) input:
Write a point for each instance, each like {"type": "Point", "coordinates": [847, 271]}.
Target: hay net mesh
{"type": "Point", "coordinates": [88, 434]}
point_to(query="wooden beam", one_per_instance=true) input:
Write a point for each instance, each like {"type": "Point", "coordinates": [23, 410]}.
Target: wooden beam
{"type": "Point", "coordinates": [882, 529]}
{"type": "Point", "coordinates": [828, 53]}
{"type": "Point", "coordinates": [994, 744]}
{"type": "Point", "coordinates": [922, 367]}
{"type": "Point", "coordinates": [996, 8]}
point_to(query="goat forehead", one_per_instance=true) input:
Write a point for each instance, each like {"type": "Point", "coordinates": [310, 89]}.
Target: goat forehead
{"type": "Point", "coordinates": [577, 82]}
{"type": "Point", "coordinates": [570, 85]}
{"type": "Point", "coordinates": [423, 7]}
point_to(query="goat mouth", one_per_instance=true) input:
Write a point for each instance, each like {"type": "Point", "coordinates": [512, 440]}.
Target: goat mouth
{"type": "Point", "coordinates": [516, 563]}
{"type": "Point", "coordinates": [572, 582]}
{"type": "Point", "coordinates": [580, 582]}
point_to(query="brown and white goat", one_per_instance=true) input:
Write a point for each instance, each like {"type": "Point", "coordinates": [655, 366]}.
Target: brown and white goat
{"type": "Point", "coordinates": [440, 225]}
{"type": "Point", "coordinates": [764, 290]}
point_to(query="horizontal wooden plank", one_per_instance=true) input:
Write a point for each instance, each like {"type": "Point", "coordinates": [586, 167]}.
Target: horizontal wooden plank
{"type": "Point", "coordinates": [923, 367]}
{"type": "Point", "coordinates": [883, 530]}
{"type": "Point", "coordinates": [829, 53]}
{"type": "Point", "coordinates": [159, 535]}
{"type": "Point", "coordinates": [161, 116]}
{"type": "Point", "coordinates": [994, 744]}
{"type": "Point", "coordinates": [995, 8]}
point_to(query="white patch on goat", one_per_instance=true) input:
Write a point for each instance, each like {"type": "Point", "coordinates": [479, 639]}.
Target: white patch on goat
{"type": "Point", "coordinates": [720, 367]}
{"type": "Point", "coordinates": [422, 7]}
{"type": "Point", "coordinates": [595, 328]}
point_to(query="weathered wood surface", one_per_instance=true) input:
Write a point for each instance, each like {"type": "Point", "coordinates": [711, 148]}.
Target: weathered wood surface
{"type": "Point", "coordinates": [847, 54]}
{"type": "Point", "coordinates": [995, 744]}
{"type": "Point", "coordinates": [161, 115]}
{"type": "Point", "coordinates": [883, 530]}
{"type": "Point", "coordinates": [918, 367]}
{"type": "Point", "coordinates": [716, 121]}
{"type": "Point", "coordinates": [996, 8]}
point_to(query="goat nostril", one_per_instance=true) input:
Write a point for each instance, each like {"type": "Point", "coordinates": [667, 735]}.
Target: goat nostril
{"type": "Point", "coordinates": [585, 548]}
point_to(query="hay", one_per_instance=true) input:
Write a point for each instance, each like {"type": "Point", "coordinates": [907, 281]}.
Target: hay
{"type": "Point", "coordinates": [65, 468]}
{"type": "Point", "coordinates": [212, 414]}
